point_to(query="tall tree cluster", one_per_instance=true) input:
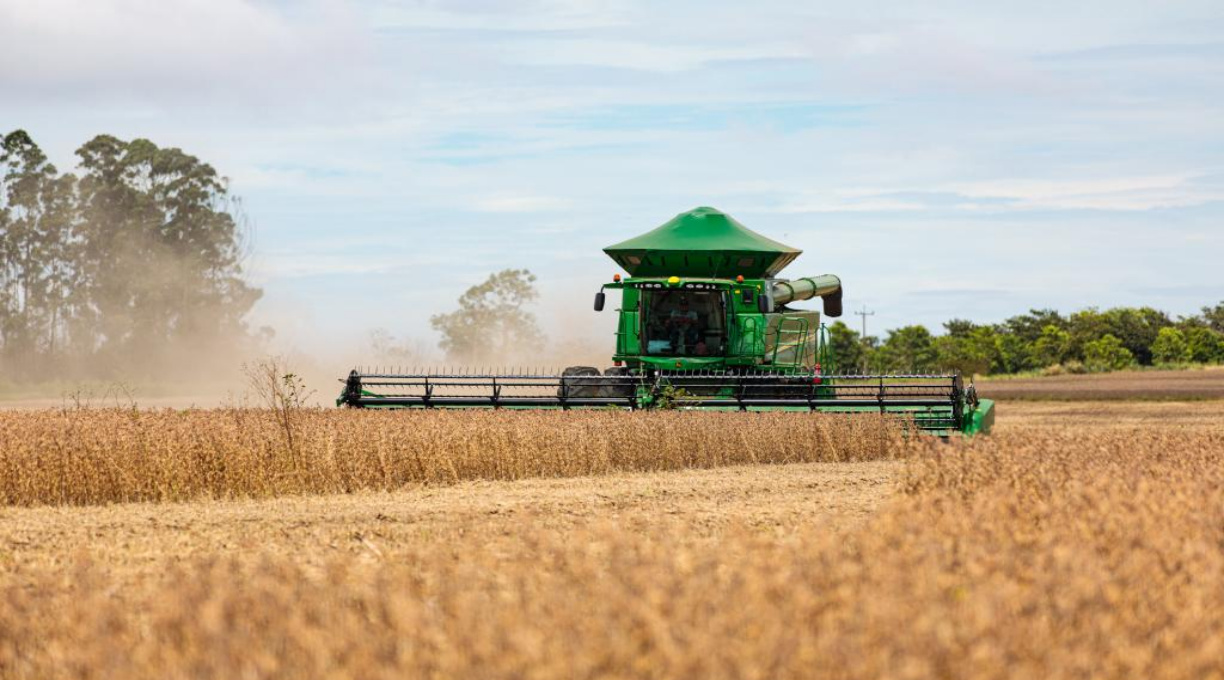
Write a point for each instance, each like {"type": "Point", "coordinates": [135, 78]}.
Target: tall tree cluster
{"type": "Point", "coordinates": [134, 259]}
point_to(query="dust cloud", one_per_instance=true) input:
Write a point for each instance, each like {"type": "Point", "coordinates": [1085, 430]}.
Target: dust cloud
{"type": "Point", "coordinates": [208, 369]}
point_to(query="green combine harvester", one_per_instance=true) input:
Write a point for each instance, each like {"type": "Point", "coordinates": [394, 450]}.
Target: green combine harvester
{"type": "Point", "coordinates": [704, 323]}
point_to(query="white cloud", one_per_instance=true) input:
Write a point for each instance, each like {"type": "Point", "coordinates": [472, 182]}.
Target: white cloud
{"type": "Point", "coordinates": [153, 48]}
{"type": "Point", "coordinates": [1002, 195]}
{"type": "Point", "coordinates": [834, 205]}
{"type": "Point", "coordinates": [493, 15]}
{"type": "Point", "coordinates": [1116, 193]}
{"type": "Point", "coordinates": [521, 203]}
{"type": "Point", "coordinates": [627, 54]}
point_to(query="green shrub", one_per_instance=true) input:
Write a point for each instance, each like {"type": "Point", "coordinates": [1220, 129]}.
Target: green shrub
{"type": "Point", "coordinates": [1170, 347]}
{"type": "Point", "coordinates": [1107, 354]}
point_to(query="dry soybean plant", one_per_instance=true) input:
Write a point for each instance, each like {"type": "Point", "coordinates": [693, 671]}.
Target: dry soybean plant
{"type": "Point", "coordinates": [283, 393]}
{"type": "Point", "coordinates": [115, 455]}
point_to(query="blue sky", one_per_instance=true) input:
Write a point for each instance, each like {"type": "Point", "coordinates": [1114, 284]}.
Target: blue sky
{"type": "Point", "coordinates": [948, 160]}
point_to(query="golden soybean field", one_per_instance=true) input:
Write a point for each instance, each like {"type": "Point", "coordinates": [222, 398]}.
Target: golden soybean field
{"type": "Point", "coordinates": [78, 457]}
{"type": "Point", "coordinates": [610, 545]}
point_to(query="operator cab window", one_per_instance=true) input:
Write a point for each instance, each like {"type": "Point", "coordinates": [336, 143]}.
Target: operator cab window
{"type": "Point", "coordinates": [685, 323]}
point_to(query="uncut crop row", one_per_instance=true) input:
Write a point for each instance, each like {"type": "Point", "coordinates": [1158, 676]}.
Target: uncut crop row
{"type": "Point", "coordinates": [75, 457]}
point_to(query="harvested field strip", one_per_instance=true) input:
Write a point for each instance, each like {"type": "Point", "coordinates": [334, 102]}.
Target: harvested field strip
{"type": "Point", "coordinates": [1203, 384]}
{"type": "Point", "coordinates": [1028, 415]}
{"type": "Point", "coordinates": [136, 541]}
{"type": "Point", "coordinates": [1038, 555]}
{"type": "Point", "coordinates": [106, 456]}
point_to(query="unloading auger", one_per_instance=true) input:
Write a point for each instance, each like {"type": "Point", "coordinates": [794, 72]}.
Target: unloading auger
{"type": "Point", "coordinates": [703, 324]}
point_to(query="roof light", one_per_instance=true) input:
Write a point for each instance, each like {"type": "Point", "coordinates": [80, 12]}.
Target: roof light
{"type": "Point", "coordinates": [739, 279]}
{"type": "Point", "coordinates": [616, 278]}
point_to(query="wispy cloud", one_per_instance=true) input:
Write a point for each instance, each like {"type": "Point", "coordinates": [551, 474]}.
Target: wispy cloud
{"type": "Point", "coordinates": [1118, 193]}
{"type": "Point", "coordinates": [483, 16]}
{"type": "Point", "coordinates": [152, 50]}
{"type": "Point", "coordinates": [521, 203]}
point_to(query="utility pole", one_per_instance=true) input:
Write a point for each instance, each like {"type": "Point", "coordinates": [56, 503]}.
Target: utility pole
{"type": "Point", "coordinates": [864, 313]}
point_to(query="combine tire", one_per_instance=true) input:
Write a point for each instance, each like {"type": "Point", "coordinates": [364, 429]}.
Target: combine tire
{"type": "Point", "coordinates": [618, 389]}
{"type": "Point", "coordinates": [580, 382]}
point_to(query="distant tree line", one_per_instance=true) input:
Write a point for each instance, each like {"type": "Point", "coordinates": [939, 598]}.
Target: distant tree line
{"type": "Point", "coordinates": [1091, 340]}
{"type": "Point", "coordinates": [134, 260]}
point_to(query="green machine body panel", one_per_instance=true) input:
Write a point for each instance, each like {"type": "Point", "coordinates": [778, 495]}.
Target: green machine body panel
{"type": "Point", "coordinates": [702, 242]}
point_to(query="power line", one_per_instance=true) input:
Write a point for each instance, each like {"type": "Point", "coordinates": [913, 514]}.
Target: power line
{"type": "Point", "coordinates": [864, 313]}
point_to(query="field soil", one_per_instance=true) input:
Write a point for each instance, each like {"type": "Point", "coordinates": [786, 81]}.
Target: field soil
{"type": "Point", "coordinates": [1207, 383]}
{"type": "Point", "coordinates": [135, 542]}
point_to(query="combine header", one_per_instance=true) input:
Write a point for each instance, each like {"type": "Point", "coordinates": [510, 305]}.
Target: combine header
{"type": "Point", "coordinates": [703, 324]}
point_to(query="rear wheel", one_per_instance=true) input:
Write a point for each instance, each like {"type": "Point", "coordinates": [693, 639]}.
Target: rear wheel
{"type": "Point", "coordinates": [580, 382]}
{"type": "Point", "coordinates": [779, 387]}
{"type": "Point", "coordinates": [621, 386]}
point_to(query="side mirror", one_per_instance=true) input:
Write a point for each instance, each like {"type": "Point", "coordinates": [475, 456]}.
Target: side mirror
{"type": "Point", "coordinates": [763, 304]}
{"type": "Point", "coordinates": [599, 301]}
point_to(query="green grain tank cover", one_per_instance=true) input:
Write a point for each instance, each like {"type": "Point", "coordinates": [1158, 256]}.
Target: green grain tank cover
{"type": "Point", "coordinates": [702, 242]}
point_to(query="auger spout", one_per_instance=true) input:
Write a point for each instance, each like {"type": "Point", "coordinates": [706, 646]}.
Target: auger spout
{"type": "Point", "coordinates": [826, 286]}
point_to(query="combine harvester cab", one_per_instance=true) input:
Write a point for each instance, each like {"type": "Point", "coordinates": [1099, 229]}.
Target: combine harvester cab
{"type": "Point", "coordinates": [703, 324]}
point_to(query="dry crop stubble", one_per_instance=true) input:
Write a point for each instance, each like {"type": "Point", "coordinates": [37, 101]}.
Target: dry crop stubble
{"type": "Point", "coordinates": [135, 540]}
{"type": "Point", "coordinates": [77, 457]}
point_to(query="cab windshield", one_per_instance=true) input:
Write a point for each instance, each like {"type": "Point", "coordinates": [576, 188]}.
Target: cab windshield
{"type": "Point", "coordinates": [685, 323]}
